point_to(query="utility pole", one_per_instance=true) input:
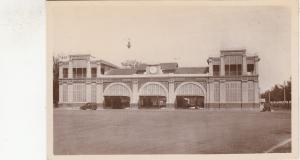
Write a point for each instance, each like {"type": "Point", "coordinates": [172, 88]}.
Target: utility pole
{"type": "Point", "coordinates": [284, 91]}
{"type": "Point", "coordinates": [269, 96]}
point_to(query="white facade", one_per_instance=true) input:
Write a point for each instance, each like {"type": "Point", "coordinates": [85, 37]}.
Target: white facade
{"type": "Point", "coordinates": [230, 80]}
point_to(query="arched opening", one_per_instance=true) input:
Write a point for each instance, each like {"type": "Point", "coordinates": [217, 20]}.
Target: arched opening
{"type": "Point", "coordinates": [117, 96]}
{"type": "Point", "coordinates": [190, 95]}
{"type": "Point", "coordinates": [152, 95]}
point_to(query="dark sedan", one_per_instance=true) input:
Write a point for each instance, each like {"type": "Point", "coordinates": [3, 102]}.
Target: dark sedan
{"type": "Point", "coordinates": [92, 106]}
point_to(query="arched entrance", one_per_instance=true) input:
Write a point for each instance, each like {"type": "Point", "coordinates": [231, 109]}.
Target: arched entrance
{"type": "Point", "coordinates": [153, 95]}
{"type": "Point", "coordinates": [190, 95]}
{"type": "Point", "coordinates": [117, 96]}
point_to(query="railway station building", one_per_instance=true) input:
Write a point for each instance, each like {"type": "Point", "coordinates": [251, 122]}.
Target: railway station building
{"type": "Point", "coordinates": [228, 81]}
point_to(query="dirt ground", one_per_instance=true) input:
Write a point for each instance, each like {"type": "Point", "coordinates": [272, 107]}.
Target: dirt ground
{"type": "Point", "coordinates": [169, 132]}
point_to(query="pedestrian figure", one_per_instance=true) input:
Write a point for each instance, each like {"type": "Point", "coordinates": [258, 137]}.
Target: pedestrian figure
{"type": "Point", "coordinates": [266, 107]}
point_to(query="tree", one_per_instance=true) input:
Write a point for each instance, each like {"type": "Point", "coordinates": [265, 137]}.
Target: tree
{"type": "Point", "coordinates": [277, 92]}
{"type": "Point", "coordinates": [55, 81]}
{"type": "Point", "coordinates": [131, 64]}
{"type": "Point", "coordinates": [288, 91]}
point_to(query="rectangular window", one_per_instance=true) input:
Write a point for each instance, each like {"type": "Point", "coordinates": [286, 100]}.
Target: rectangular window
{"type": "Point", "coordinates": [239, 69]}
{"type": "Point", "coordinates": [94, 72]}
{"type": "Point", "coordinates": [233, 69]}
{"type": "Point", "coordinates": [79, 72]}
{"type": "Point", "coordinates": [250, 91]}
{"type": "Point", "coordinates": [233, 65]}
{"type": "Point", "coordinates": [102, 70]}
{"type": "Point", "coordinates": [93, 94]}
{"type": "Point", "coordinates": [83, 72]}
{"type": "Point", "coordinates": [216, 70]}
{"type": "Point", "coordinates": [233, 92]}
{"type": "Point", "coordinates": [250, 68]}
{"type": "Point", "coordinates": [217, 92]}
{"type": "Point", "coordinates": [227, 89]}
{"type": "Point", "coordinates": [65, 73]}
{"type": "Point", "coordinates": [79, 93]}
{"type": "Point", "coordinates": [65, 93]}
{"type": "Point", "coordinates": [227, 70]}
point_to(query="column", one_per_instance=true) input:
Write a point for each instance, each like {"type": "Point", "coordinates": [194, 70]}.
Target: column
{"type": "Point", "coordinates": [99, 94]}
{"type": "Point", "coordinates": [60, 72]}
{"type": "Point", "coordinates": [256, 92]}
{"type": "Point", "coordinates": [70, 92]}
{"type": "Point", "coordinates": [70, 70]}
{"type": "Point", "coordinates": [172, 96]}
{"type": "Point", "coordinates": [222, 92]}
{"type": "Point", "coordinates": [135, 95]}
{"type": "Point", "coordinates": [210, 91]}
{"type": "Point", "coordinates": [88, 70]}
{"type": "Point", "coordinates": [222, 67]}
{"type": "Point", "coordinates": [244, 65]}
{"type": "Point", "coordinates": [60, 98]}
{"type": "Point", "coordinates": [256, 67]}
{"type": "Point", "coordinates": [210, 73]}
{"type": "Point", "coordinates": [244, 91]}
{"type": "Point", "coordinates": [98, 69]}
{"type": "Point", "coordinates": [88, 92]}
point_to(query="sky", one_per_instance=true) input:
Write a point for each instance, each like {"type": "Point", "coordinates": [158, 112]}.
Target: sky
{"type": "Point", "coordinates": [186, 34]}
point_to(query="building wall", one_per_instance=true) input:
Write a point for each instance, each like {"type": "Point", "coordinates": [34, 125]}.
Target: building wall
{"type": "Point", "coordinates": [219, 91]}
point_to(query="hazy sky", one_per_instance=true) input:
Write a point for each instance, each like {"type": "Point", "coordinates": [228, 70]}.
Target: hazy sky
{"type": "Point", "coordinates": [184, 34]}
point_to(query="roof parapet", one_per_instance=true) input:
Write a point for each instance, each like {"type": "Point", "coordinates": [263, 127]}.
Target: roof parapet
{"type": "Point", "coordinates": [233, 52]}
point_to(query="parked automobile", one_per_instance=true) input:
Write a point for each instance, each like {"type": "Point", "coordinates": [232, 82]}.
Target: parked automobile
{"type": "Point", "coordinates": [92, 106]}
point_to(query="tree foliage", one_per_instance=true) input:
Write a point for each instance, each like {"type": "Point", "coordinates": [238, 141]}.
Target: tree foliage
{"type": "Point", "coordinates": [277, 92]}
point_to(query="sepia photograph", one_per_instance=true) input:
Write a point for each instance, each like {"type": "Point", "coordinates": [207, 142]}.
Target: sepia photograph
{"type": "Point", "coordinates": [170, 78]}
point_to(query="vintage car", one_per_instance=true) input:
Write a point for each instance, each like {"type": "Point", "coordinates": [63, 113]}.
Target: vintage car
{"type": "Point", "coordinates": [92, 106]}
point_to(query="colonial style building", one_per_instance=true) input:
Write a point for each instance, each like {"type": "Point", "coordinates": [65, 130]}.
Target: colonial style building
{"type": "Point", "coordinates": [230, 80]}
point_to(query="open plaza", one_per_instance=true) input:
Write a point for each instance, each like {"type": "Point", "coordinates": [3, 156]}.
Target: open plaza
{"type": "Point", "coordinates": [152, 131]}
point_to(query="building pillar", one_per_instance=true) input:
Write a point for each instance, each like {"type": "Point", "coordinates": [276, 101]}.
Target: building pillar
{"type": "Point", "coordinates": [256, 92]}
{"type": "Point", "coordinates": [209, 94]}
{"type": "Point", "coordinates": [70, 70]}
{"type": "Point", "coordinates": [135, 95]}
{"type": "Point", "coordinates": [256, 67]}
{"type": "Point", "coordinates": [244, 65]}
{"type": "Point", "coordinates": [60, 71]}
{"type": "Point", "coordinates": [98, 69]}
{"type": "Point", "coordinates": [210, 91]}
{"type": "Point", "coordinates": [222, 67]}
{"type": "Point", "coordinates": [70, 92]}
{"type": "Point", "coordinates": [88, 92]}
{"type": "Point", "coordinates": [99, 94]}
{"type": "Point", "coordinates": [171, 98]}
{"type": "Point", "coordinates": [244, 91]}
{"type": "Point", "coordinates": [60, 94]}
{"type": "Point", "coordinates": [210, 71]}
{"type": "Point", "coordinates": [222, 92]}
{"type": "Point", "coordinates": [88, 70]}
